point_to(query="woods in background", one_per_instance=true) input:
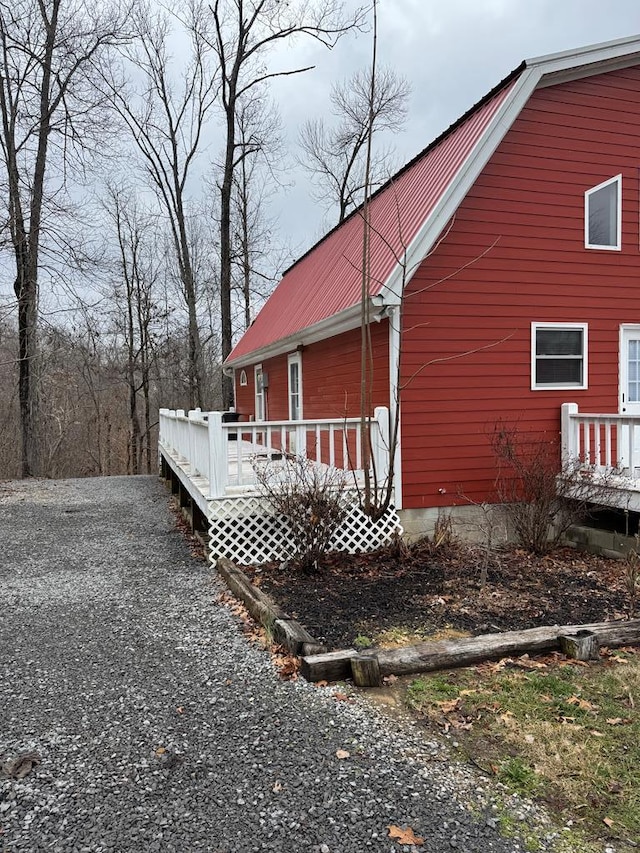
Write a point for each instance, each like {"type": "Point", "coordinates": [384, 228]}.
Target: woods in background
{"type": "Point", "coordinates": [140, 148]}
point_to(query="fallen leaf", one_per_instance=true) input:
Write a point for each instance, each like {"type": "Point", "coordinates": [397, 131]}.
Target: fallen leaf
{"type": "Point", "coordinates": [160, 750]}
{"type": "Point", "coordinates": [615, 721]}
{"type": "Point", "coordinates": [277, 786]}
{"type": "Point", "coordinates": [179, 710]}
{"type": "Point", "coordinates": [583, 704]}
{"type": "Point", "coordinates": [595, 733]}
{"type": "Point", "coordinates": [608, 821]}
{"type": "Point", "coordinates": [447, 706]}
{"type": "Point", "coordinates": [459, 724]}
{"type": "Point", "coordinates": [615, 788]}
{"type": "Point", "coordinates": [404, 836]}
{"type": "Point", "coordinates": [341, 697]}
{"type": "Point", "coordinates": [342, 754]}
{"type": "Point", "coordinates": [390, 679]}
{"type": "Point", "coordinates": [322, 683]}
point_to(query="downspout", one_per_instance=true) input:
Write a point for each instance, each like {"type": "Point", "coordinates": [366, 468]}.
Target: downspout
{"type": "Point", "coordinates": [395, 318]}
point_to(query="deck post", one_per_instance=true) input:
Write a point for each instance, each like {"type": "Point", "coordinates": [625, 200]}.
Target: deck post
{"type": "Point", "coordinates": [162, 426]}
{"type": "Point", "coordinates": [380, 442]}
{"type": "Point", "coordinates": [193, 415]}
{"type": "Point", "coordinates": [218, 455]}
{"type": "Point", "coordinates": [569, 433]}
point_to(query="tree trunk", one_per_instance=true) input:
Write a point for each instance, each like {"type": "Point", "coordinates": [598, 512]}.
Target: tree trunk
{"type": "Point", "coordinates": [26, 290]}
{"type": "Point", "coordinates": [225, 253]}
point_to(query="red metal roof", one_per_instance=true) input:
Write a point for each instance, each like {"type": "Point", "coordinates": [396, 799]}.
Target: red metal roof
{"type": "Point", "coordinates": [327, 280]}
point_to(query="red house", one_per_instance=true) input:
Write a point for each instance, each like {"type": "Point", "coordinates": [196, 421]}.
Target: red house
{"type": "Point", "coordinates": [505, 282]}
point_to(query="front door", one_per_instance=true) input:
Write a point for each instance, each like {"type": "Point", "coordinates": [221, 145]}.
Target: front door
{"type": "Point", "coordinates": [629, 393]}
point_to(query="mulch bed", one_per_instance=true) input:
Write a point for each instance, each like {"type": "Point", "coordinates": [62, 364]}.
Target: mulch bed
{"type": "Point", "coordinates": [431, 590]}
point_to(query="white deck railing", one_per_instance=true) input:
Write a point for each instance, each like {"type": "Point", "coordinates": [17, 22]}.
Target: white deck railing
{"type": "Point", "coordinates": [607, 443]}
{"type": "Point", "coordinates": [223, 453]}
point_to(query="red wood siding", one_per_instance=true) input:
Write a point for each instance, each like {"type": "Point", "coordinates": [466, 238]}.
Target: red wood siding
{"type": "Point", "coordinates": [514, 255]}
{"type": "Point", "coordinates": [330, 378]}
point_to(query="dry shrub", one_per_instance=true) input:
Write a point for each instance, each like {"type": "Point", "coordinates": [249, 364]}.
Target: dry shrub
{"type": "Point", "coordinates": [532, 483]}
{"type": "Point", "coordinates": [311, 501]}
{"type": "Point", "coordinates": [631, 568]}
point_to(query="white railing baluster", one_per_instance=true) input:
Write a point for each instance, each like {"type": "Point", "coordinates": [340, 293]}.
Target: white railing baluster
{"type": "Point", "coordinates": [608, 443]}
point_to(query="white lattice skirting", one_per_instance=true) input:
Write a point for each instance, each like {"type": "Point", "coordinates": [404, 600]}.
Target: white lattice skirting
{"type": "Point", "coordinates": [245, 530]}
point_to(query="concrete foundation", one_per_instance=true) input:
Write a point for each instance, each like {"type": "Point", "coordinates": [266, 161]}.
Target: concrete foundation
{"type": "Point", "coordinates": [474, 524]}
{"type": "Point", "coordinates": [606, 543]}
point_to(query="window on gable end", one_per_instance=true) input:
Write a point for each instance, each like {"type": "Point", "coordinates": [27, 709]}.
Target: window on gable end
{"type": "Point", "coordinates": [558, 356]}
{"type": "Point", "coordinates": [603, 215]}
{"type": "Point", "coordinates": [243, 378]}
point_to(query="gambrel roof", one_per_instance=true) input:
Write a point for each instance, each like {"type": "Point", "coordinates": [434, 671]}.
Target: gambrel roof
{"type": "Point", "coordinates": [320, 294]}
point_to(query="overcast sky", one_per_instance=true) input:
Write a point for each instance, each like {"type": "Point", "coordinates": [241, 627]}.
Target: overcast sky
{"type": "Point", "coordinates": [452, 52]}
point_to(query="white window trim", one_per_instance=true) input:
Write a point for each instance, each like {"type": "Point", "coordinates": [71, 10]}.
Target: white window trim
{"type": "Point", "coordinates": [618, 246]}
{"type": "Point", "coordinates": [560, 386]}
{"type": "Point", "coordinates": [257, 369]}
{"type": "Point", "coordinates": [294, 358]}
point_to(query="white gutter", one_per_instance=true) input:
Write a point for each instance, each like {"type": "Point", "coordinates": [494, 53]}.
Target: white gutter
{"type": "Point", "coordinates": [395, 320]}
{"type": "Point", "coordinates": [344, 321]}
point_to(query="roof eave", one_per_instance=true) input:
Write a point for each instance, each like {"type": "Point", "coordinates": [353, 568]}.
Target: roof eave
{"type": "Point", "coordinates": [464, 179]}
{"type": "Point", "coordinates": [345, 321]}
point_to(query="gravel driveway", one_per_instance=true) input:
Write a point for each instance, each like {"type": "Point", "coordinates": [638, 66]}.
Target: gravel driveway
{"type": "Point", "coordinates": [160, 728]}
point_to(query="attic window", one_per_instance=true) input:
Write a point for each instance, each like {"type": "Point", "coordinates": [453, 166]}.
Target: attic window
{"type": "Point", "coordinates": [558, 356]}
{"type": "Point", "coordinates": [603, 214]}
{"type": "Point", "coordinates": [243, 377]}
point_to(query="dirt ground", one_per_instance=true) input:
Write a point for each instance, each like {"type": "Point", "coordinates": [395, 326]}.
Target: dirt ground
{"type": "Point", "coordinates": [429, 590]}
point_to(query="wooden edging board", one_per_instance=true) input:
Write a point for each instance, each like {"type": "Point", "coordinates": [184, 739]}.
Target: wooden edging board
{"type": "Point", "coordinates": [264, 610]}
{"type": "Point", "coordinates": [368, 669]}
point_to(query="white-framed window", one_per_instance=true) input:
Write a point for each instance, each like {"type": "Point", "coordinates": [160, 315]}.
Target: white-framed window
{"type": "Point", "coordinates": [558, 356]}
{"type": "Point", "coordinates": [294, 370]}
{"type": "Point", "coordinates": [260, 387]}
{"type": "Point", "coordinates": [603, 215]}
{"type": "Point", "coordinates": [243, 378]}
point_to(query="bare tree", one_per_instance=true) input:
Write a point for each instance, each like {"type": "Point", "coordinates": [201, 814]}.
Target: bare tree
{"type": "Point", "coordinates": [48, 110]}
{"type": "Point", "coordinates": [259, 147]}
{"type": "Point", "coordinates": [244, 31]}
{"type": "Point", "coordinates": [139, 271]}
{"type": "Point", "coordinates": [166, 122]}
{"type": "Point", "coordinates": [334, 155]}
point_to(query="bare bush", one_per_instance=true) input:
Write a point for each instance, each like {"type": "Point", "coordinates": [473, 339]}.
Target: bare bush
{"type": "Point", "coordinates": [310, 499]}
{"type": "Point", "coordinates": [631, 567]}
{"type": "Point", "coordinates": [542, 496]}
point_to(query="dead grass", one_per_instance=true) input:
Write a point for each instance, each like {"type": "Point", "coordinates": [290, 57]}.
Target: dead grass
{"type": "Point", "coordinates": [397, 638]}
{"type": "Point", "coordinates": [564, 733]}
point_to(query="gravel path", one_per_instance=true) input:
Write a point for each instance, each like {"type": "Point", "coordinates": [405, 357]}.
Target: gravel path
{"type": "Point", "coordinates": [160, 728]}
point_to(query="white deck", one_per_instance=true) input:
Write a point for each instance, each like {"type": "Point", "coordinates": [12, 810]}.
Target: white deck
{"type": "Point", "coordinates": [215, 460]}
{"type": "Point", "coordinates": [607, 446]}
